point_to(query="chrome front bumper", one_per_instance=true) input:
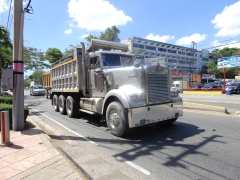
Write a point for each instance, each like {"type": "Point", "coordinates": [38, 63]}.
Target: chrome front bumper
{"type": "Point", "coordinates": [155, 113]}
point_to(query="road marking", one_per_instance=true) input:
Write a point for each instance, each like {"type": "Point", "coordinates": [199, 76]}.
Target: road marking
{"type": "Point", "coordinates": [205, 105]}
{"type": "Point", "coordinates": [134, 165]}
{"type": "Point", "coordinates": [69, 130]}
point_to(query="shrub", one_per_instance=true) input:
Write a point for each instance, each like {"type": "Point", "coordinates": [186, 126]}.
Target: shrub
{"type": "Point", "coordinates": [6, 100]}
{"type": "Point", "coordinates": [5, 107]}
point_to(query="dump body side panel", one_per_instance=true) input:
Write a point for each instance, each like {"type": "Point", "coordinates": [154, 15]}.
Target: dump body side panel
{"type": "Point", "coordinates": [66, 73]}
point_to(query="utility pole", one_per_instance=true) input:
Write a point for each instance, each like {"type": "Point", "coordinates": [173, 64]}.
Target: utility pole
{"type": "Point", "coordinates": [193, 43]}
{"type": "Point", "coordinates": [18, 67]}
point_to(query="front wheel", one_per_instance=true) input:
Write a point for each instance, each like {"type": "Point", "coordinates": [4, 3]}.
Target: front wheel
{"type": "Point", "coordinates": [238, 91]}
{"type": "Point", "coordinates": [116, 117]}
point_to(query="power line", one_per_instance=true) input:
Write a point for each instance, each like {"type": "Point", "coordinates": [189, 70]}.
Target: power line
{"type": "Point", "coordinates": [144, 27]}
{"type": "Point", "coordinates": [223, 45]}
{"type": "Point", "coordinates": [218, 41]}
{"type": "Point", "coordinates": [9, 12]}
{"type": "Point", "coordinates": [186, 16]}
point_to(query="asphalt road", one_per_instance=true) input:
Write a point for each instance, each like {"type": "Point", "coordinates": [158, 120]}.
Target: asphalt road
{"type": "Point", "coordinates": [197, 146]}
{"type": "Point", "coordinates": [230, 102]}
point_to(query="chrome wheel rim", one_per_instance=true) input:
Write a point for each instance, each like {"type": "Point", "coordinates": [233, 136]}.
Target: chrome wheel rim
{"type": "Point", "coordinates": [114, 119]}
{"type": "Point", "coordinates": [68, 106]}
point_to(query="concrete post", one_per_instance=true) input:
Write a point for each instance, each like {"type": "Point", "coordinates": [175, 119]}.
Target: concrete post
{"type": "Point", "coordinates": [5, 133]}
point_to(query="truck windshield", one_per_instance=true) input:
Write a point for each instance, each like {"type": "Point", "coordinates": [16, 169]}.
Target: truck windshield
{"type": "Point", "coordinates": [117, 60]}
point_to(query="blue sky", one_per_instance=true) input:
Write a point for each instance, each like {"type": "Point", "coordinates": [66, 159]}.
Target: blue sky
{"type": "Point", "coordinates": [59, 23]}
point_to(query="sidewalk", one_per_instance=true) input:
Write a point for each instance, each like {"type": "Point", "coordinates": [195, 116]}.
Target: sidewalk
{"type": "Point", "coordinates": [32, 156]}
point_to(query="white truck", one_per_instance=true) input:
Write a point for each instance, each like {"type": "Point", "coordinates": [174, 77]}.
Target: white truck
{"type": "Point", "coordinates": [105, 79]}
{"type": "Point", "coordinates": [179, 85]}
{"type": "Point", "coordinates": [32, 83]}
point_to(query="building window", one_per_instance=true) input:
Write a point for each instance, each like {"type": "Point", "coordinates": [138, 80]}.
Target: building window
{"type": "Point", "coordinates": [189, 54]}
{"type": "Point", "coordinates": [162, 49]}
{"type": "Point", "coordinates": [172, 61]}
{"type": "Point", "coordinates": [182, 62]}
{"type": "Point", "coordinates": [151, 48]}
{"type": "Point", "coordinates": [138, 45]}
{"type": "Point", "coordinates": [172, 51]}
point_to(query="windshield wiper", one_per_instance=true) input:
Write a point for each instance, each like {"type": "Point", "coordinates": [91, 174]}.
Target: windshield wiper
{"type": "Point", "coordinates": [107, 63]}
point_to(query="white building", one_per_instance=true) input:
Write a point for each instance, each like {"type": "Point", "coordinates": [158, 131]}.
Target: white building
{"type": "Point", "coordinates": [177, 58]}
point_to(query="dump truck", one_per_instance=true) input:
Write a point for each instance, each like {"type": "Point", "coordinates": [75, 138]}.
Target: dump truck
{"type": "Point", "coordinates": [46, 79]}
{"type": "Point", "coordinates": [105, 79]}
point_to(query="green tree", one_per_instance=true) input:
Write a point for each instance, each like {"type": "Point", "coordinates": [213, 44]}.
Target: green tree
{"type": "Point", "coordinates": [90, 37]}
{"type": "Point", "coordinates": [212, 69]}
{"type": "Point", "coordinates": [34, 59]}
{"type": "Point", "coordinates": [5, 49]}
{"type": "Point", "coordinates": [69, 50]}
{"type": "Point", "coordinates": [27, 81]}
{"type": "Point", "coordinates": [37, 75]}
{"type": "Point", "coordinates": [110, 34]}
{"type": "Point", "coordinates": [53, 55]}
{"type": "Point", "coordinates": [225, 52]}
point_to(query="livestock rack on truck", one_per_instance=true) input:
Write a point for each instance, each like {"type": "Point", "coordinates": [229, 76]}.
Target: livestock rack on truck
{"type": "Point", "coordinates": [105, 79]}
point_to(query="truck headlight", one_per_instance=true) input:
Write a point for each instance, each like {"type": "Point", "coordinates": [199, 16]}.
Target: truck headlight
{"type": "Point", "coordinates": [136, 96]}
{"type": "Point", "coordinates": [174, 93]}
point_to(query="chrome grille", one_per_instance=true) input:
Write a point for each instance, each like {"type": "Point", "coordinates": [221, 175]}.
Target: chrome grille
{"type": "Point", "coordinates": [158, 88]}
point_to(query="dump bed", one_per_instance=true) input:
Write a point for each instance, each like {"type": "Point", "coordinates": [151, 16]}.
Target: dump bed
{"type": "Point", "coordinates": [66, 73]}
{"type": "Point", "coordinates": [46, 79]}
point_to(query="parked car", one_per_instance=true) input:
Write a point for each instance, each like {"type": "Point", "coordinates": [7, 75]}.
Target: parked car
{"type": "Point", "coordinates": [212, 85]}
{"type": "Point", "coordinates": [196, 86]}
{"type": "Point", "coordinates": [37, 90]}
{"type": "Point", "coordinates": [233, 88]}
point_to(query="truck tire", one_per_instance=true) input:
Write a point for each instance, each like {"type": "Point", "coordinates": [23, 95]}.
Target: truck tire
{"type": "Point", "coordinates": [71, 107]}
{"type": "Point", "coordinates": [62, 104]}
{"type": "Point", "coordinates": [46, 94]}
{"type": "Point", "coordinates": [55, 103]}
{"type": "Point", "coordinates": [116, 117]}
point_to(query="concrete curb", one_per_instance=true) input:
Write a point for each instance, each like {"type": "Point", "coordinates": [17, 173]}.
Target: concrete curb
{"type": "Point", "coordinates": [75, 163]}
{"type": "Point", "coordinates": [204, 107]}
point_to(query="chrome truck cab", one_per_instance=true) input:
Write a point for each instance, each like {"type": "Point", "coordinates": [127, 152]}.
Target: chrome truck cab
{"type": "Point", "coordinates": [127, 92]}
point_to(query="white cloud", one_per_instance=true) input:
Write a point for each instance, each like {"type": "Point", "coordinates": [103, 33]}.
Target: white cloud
{"type": "Point", "coordinates": [187, 40]}
{"type": "Point", "coordinates": [69, 31]}
{"type": "Point", "coordinates": [233, 44]}
{"type": "Point", "coordinates": [71, 24]}
{"type": "Point", "coordinates": [228, 21]}
{"type": "Point", "coordinates": [159, 38]}
{"type": "Point", "coordinates": [83, 36]}
{"type": "Point", "coordinates": [96, 15]}
{"type": "Point", "coordinates": [215, 43]}
{"type": "Point", "coordinates": [4, 7]}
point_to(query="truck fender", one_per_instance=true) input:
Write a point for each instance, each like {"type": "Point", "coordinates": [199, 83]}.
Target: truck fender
{"type": "Point", "coordinates": [118, 96]}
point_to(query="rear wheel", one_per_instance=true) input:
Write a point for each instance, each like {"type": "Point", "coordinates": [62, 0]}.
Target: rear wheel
{"type": "Point", "coordinates": [71, 107]}
{"type": "Point", "coordinates": [116, 117]}
{"type": "Point", "coordinates": [62, 104]}
{"type": "Point", "coordinates": [55, 103]}
{"type": "Point", "coordinates": [238, 91]}
{"type": "Point", "coordinates": [46, 94]}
